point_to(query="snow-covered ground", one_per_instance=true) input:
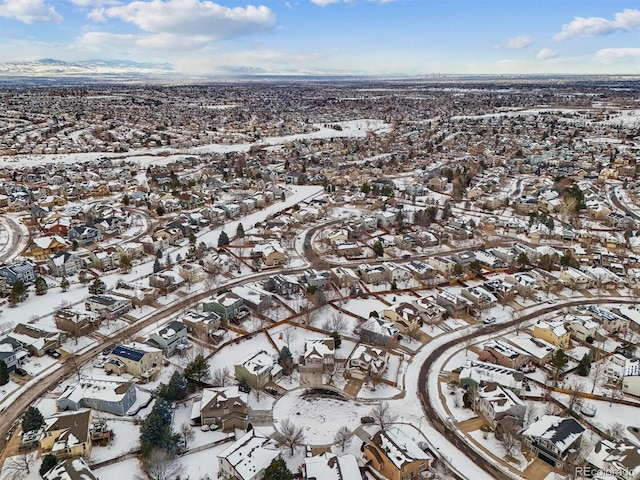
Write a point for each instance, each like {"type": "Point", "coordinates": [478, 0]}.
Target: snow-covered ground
{"type": "Point", "coordinates": [320, 416]}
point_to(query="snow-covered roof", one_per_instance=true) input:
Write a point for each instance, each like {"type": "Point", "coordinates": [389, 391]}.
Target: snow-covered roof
{"type": "Point", "coordinates": [561, 432]}
{"type": "Point", "coordinates": [399, 447]}
{"type": "Point", "coordinates": [329, 466]}
{"type": "Point", "coordinates": [251, 454]}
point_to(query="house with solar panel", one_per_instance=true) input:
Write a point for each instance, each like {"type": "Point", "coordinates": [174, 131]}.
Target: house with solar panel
{"type": "Point", "coordinates": [137, 359]}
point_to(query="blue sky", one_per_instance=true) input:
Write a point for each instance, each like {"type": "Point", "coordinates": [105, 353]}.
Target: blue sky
{"type": "Point", "coordinates": [341, 36]}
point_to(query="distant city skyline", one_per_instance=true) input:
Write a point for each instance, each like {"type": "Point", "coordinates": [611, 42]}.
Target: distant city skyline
{"type": "Point", "coordinates": [377, 37]}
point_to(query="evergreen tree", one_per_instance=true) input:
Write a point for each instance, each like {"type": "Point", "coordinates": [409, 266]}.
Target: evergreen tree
{"type": "Point", "coordinates": [157, 266]}
{"type": "Point", "coordinates": [82, 278]}
{"type": "Point", "coordinates": [240, 231]}
{"type": "Point", "coordinates": [32, 419]}
{"type": "Point", "coordinates": [4, 373]}
{"type": "Point", "coordinates": [197, 371]}
{"type": "Point", "coordinates": [223, 239]}
{"type": "Point", "coordinates": [18, 293]}
{"type": "Point", "coordinates": [41, 286]}
{"type": "Point", "coordinates": [285, 360]}
{"type": "Point", "coordinates": [97, 287]}
{"type": "Point", "coordinates": [64, 284]}
{"type": "Point", "coordinates": [559, 361]}
{"type": "Point", "coordinates": [378, 249]}
{"type": "Point", "coordinates": [48, 462]}
{"type": "Point", "coordinates": [160, 210]}
{"type": "Point", "coordinates": [277, 470]}
{"type": "Point", "coordinates": [125, 263]}
{"type": "Point", "coordinates": [192, 238]}
{"type": "Point", "coordinates": [336, 339]}
{"type": "Point", "coordinates": [156, 430]}
{"type": "Point", "coordinates": [176, 389]}
{"type": "Point", "coordinates": [584, 367]}
{"type": "Point", "coordinates": [126, 200]}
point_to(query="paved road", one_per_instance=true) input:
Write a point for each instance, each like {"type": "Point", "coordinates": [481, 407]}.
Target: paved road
{"type": "Point", "coordinates": [431, 413]}
{"type": "Point", "coordinates": [15, 235]}
{"type": "Point", "coordinates": [621, 206]}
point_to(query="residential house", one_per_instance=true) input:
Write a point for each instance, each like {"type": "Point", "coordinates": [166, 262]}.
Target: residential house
{"type": "Point", "coordinates": [68, 435]}
{"type": "Point", "coordinates": [12, 353]}
{"type": "Point", "coordinates": [315, 278]}
{"type": "Point", "coordinates": [226, 407]}
{"type": "Point", "coordinates": [225, 304]}
{"type": "Point", "coordinates": [70, 469]}
{"type": "Point", "coordinates": [379, 332]}
{"type": "Point", "coordinates": [258, 369]}
{"type": "Point", "coordinates": [504, 354]}
{"type": "Point", "coordinates": [539, 351]}
{"type": "Point", "coordinates": [329, 466]}
{"type": "Point", "coordinates": [631, 378]}
{"type": "Point", "coordinates": [136, 293]}
{"type": "Point", "coordinates": [283, 285]}
{"type": "Point", "coordinates": [554, 438]}
{"type": "Point", "coordinates": [395, 455]}
{"type": "Point", "coordinates": [253, 297]}
{"type": "Point", "coordinates": [453, 302]}
{"type": "Point", "coordinates": [136, 359]}
{"type": "Point", "coordinates": [36, 339]}
{"type": "Point", "coordinates": [24, 272]}
{"type": "Point", "coordinates": [430, 312]}
{"type": "Point", "coordinates": [65, 264]}
{"type": "Point", "coordinates": [270, 254]}
{"type": "Point", "coordinates": [191, 273]}
{"type": "Point", "coordinates": [554, 333]}
{"type": "Point", "coordinates": [43, 247]}
{"type": "Point", "coordinates": [112, 396]}
{"type": "Point", "coordinates": [74, 322]}
{"type": "Point", "coordinates": [366, 362]}
{"type": "Point", "coordinates": [318, 357]}
{"type": "Point", "coordinates": [107, 306]}
{"type": "Point", "coordinates": [499, 405]}
{"type": "Point", "coordinates": [611, 322]}
{"type": "Point", "coordinates": [248, 457]}
{"type": "Point", "coordinates": [479, 296]}
{"type": "Point", "coordinates": [164, 282]}
{"type": "Point", "coordinates": [105, 259]}
{"type": "Point", "coordinates": [344, 277]}
{"type": "Point", "coordinates": [581, 327]}
{"type": "Point", "coordinates": [372, 274]}
{"type": "Point", "coordinates": [480, 373]}
{"type": "Point", "coordinates": [624, 459]}
{"type": "Point", "coordinates": [421, 270]}
{"type": "Point", "coordinates": [405, 316]}
{"type": "Point", "coordinates": [576, 279]}
{"type": "Point", "coordinates": [170, 338]}
{"type": "Point", "coordinates": [201, 325]}
{"type": "Point", "coordinates": [347, 249]}
{"type": "Point", "coordinates": [84, 235]}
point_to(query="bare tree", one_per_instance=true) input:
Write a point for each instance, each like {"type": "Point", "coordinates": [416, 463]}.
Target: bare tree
{"type": "Point", "coordinates": [78, 367]}
{"type": "Point", "coordinates": [575, 400]}
{"type": "Point", "coordinates": [616, 430]}
{"type": "Point", "coordinates": [187, 433]}
{"type": "Point", "coordinates": [290, 436]}
{"type": "Point", "coordinates": [382, 415]}
{"type": "Point", "coordinates": [288, 335]}
{"type": "Point", "coordinates": [19, 466]}
{"type": "Point", "coordinates": [163, 465]}
{"type": "Point", "coordinates": [336, 323]}
{"type": "Point", "coordinates": [336, 369]}
{"type": "Point", "coordinates": [221, 377]}
{"type": "Point", "coordinates": [343, 437]}
{"type": "Point", "coordinates": [509, 443]}
{"type": "Point", "coordinates": [441, 468]}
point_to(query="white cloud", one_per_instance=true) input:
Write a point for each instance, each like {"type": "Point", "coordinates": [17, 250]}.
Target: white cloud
{"type": "Point", "coordinates": [613, 54]}
{"type": "Point", "coordinates": [546, 54]}
{"type": "Point", "coordinates": [521, 41]}
{"type": "Point", "coordinates": [324, 3]}
{"type": "Point", "coordinates": [194, 17]}
{"type": "Point", "coordinates": [161, 41]}
{"type": "Point", "coordinates": [628, 19]}
{"type": "Point", "coordinates": [94, 3]}
{"type": "Point", "coordinates": [29, 11]}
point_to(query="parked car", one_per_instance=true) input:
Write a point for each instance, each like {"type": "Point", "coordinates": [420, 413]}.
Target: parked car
{"type": "Point", "coordinates": [367, 420]}
{"type": "Point", "coordinates": [21, 371]}
{"type": "Point", "coordinates": [53, 353]}
{"type": "Point", "coordinates": [204, 428]}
